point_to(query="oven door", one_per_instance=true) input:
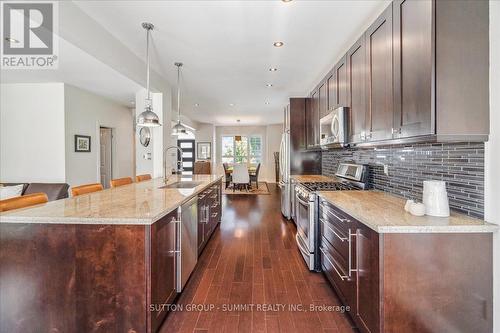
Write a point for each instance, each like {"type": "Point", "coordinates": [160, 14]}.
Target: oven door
{"type": "Point", "coordinates": [302, 217]}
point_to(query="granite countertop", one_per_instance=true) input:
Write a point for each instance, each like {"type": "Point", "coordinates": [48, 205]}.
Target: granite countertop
{"type": "Point", "coordinates": [312, 178]}
{"type": "Point", "coordinates": [385, 213]}
{"type": "Point", "coordinates": [140, 203]}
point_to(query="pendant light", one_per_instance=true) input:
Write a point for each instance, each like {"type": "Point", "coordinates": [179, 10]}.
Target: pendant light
{"type": "Point", "coordinates": [178, 128]}
{"type": "Point", "coordinates": [148, 118]}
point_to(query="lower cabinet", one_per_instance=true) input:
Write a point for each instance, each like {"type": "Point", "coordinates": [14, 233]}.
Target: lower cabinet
{"type": "Point", "coordinates": [162, 266]}
{"type": "Point", "coordinates": [209, 213]}
{"type": "Point", "coordinates": [407, 282]}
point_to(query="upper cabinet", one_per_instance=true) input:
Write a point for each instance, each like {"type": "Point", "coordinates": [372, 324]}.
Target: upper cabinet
{"type": "Point", "coordinates": [323, 99]}
{"type": "Point", "coordinates": [312, 120]}
{"type": "Point", "coordinates": [415, 75]}
{"type": "Point", "coordinates": [356, 79]}
{"type": "Point", "coordinates": [413, 64]}
{"type": "Point", "coordinates": [341, 86]}
{"type": "Point", "coordinates": [379, 73]}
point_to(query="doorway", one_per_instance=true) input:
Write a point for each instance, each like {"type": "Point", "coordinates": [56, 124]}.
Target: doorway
{"type": "Point", "coordinates": [106, 155]}
{"type": "Point", "coordinates": [187, 147]}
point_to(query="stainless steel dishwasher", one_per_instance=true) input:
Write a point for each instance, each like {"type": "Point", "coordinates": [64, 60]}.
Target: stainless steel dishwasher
{"type": "Point", "coordinates": [187, 242]}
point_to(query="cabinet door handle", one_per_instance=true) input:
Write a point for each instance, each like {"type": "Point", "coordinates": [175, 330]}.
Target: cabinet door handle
{"type": "Point", "coordinates": [350, 253]}
{"type": "Point", "coordinates": [342, 239]}
{"type": "Point", "coordinates": [335, 215]}
{"type": "Point", "coordinates": [341, 276]}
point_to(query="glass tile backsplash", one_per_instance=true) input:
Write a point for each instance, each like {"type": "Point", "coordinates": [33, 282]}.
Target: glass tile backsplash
{"type": "Point", "coordinates": [460, 165]}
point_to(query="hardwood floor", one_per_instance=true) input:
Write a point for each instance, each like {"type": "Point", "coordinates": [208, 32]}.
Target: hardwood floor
{"type": "Point", "coordinates": [252, 258]}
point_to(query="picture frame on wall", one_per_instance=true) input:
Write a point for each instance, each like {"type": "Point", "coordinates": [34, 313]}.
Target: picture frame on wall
{"type": "Point", "coordinates": [82, 143]}
{"type": "Point", "coordinates": [204, 150]}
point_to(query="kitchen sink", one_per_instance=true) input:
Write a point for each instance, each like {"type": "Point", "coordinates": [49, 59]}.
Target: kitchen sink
{"type": "Point", "coordinates": [188, 184]}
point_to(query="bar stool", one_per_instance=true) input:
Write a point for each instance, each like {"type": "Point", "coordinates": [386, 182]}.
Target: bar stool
{"type": "Point", "coordinates": [84, 189]}
{"type": "Point", "coordinates": [120, 181]}
{"type": "Point", "coordinates": [141, 178]}
{"type": "Point", "coordinates": [23, 201]}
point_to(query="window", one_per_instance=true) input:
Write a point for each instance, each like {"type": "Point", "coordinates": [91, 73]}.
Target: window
{"type": "Point", "coordinates": [241, 149]}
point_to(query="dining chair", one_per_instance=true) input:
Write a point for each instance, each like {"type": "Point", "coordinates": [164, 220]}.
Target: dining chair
{"type": "Point", "coordinates": [240, 176]}
{"type": "Point", "coordinates": [84, 189]}
{"type": "Point", "coordinates": [120, 181]}
{"type": "Point", "coordinates": [141, 178]}
{"type": "Point", "coordinates": [227, 174]}
{"type": "Point", "coordinates": [23, 201]}
{"type": "Point", "coordinates": [255, 176]}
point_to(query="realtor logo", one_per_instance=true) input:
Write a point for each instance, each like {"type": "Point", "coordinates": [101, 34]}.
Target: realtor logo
{"type": "Point", "coordinates": [29, 39]}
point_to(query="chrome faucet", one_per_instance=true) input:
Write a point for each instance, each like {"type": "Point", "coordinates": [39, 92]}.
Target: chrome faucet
{"type": "Point", "coordinates": [179, 163]}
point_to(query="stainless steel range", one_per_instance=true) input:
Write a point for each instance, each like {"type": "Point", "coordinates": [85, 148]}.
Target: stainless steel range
{"type": "Point", "coordinates": [349, 177]}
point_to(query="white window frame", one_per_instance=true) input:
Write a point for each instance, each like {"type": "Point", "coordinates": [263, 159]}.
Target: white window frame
{"type": "Point", "coordinates": [248, 155]}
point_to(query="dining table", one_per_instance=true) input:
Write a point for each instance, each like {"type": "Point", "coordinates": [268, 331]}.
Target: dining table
{"type": "Point", "coordinates": [252, 169]}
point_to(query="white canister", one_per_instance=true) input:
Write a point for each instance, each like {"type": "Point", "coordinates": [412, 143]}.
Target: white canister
{"type": "Point", "coordinates": [435, 198]}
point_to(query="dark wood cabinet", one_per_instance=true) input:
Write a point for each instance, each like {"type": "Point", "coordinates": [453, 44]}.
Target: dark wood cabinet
{"type": "Point", "coordinates": [402, 282]}
{"type": "Point", "coordinates": [356, 77]}
{"type": "Point", "coordinates": [162, 279]}
{"type": "Point", "coordinates": [341, 83]}
{"type": "Point", "coordinates": [408, 78]}
{"type": "Point", "coordinates": [413, 67]}
{"type": "Point", "coordinates": [296, 111]}
{"type": "Point", "coordinates": [312, 121]}
{"type": "Point", "coordinates": [379, 80]}
{"type": "Point", "coordinates": [331, 91]}
{"type": "Point", "coordinates": [323, 100]}
{"type": "Point", "coordinates": [209, 213]}
{"type": "Point", "coordinates": [368, 278]}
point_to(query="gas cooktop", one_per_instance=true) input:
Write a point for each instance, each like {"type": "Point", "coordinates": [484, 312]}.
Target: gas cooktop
{"type": "Point", "coordinates": [328, 186]}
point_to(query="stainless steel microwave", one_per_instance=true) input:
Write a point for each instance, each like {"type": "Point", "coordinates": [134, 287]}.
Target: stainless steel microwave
{"type": "Point", "coordinates": [333, 128]}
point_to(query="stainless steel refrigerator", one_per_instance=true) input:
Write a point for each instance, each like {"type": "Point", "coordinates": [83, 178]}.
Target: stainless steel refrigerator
{"type": "Point", "coordinates": [284, 164]}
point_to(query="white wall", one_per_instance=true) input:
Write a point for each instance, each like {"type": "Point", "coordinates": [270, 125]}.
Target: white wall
{"type": "Point", "coordinates": [273, 145]}
{"type": "Point", "coordinates": [85, 112]}
{"type": "Point", "coordinates": [492, 181]}
{"type": "Point", "coordinates": [32, 132]}
{"type": "Point", "coordinates": [206, 133]}
{"type": "Point", "coordinates": [270, 144]}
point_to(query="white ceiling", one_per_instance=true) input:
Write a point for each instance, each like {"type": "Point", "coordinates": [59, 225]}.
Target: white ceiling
{"type": "Point", "coordinates": [227, 49]}
{"type": "Point", "coordinates": [80, 69]}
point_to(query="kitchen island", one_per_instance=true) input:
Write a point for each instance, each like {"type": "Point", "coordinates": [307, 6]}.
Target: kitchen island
{"type": "Point", "coordinates": [101, 262]}
{"type": "Point", "coordinates": [404, 273]}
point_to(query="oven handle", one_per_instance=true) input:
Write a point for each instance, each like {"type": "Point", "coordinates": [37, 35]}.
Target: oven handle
{"type": "Point", "coordinates": [305, 203]}
{"type": "Point", "coordinates": [342, 239]}
{"type": "Point", "coordinates": [342, 277]}
{"type": "Point", "coordinates": [299, 244]}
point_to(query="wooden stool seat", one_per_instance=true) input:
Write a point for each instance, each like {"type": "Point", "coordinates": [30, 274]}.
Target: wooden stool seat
{"type": "Point", "coordinates": [84, 189]}
{"type": "Point", "coordinates": [141, 178]}
{"type": "Point", "coordinates": [23, 201]}
{"type": "Point", "coordinates": [120, 181]}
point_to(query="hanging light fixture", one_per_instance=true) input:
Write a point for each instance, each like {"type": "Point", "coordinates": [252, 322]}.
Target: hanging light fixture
{"type": "Point", "coordinates": [178, 128]}
{"type": "Point", "coordinates": [148, 118]}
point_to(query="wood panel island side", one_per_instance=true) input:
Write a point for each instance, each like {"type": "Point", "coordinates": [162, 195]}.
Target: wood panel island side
{"type": "Point", "coordinates": [102, 262]}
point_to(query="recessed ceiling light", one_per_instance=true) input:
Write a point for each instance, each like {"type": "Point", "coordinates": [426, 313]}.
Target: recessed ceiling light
{"type": "Point", "coordinates": [273, 69]}
{"type": "Point", "coordinates": [278, 44]}
{"type": "Point", "coordinates": [231, 104]}
{"type": "Point", "coordinates": [12, 40]}
{"type": "Point", "coordinates": [196, 104]}
{"type": "Point", "coordinates": [269, 85]}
